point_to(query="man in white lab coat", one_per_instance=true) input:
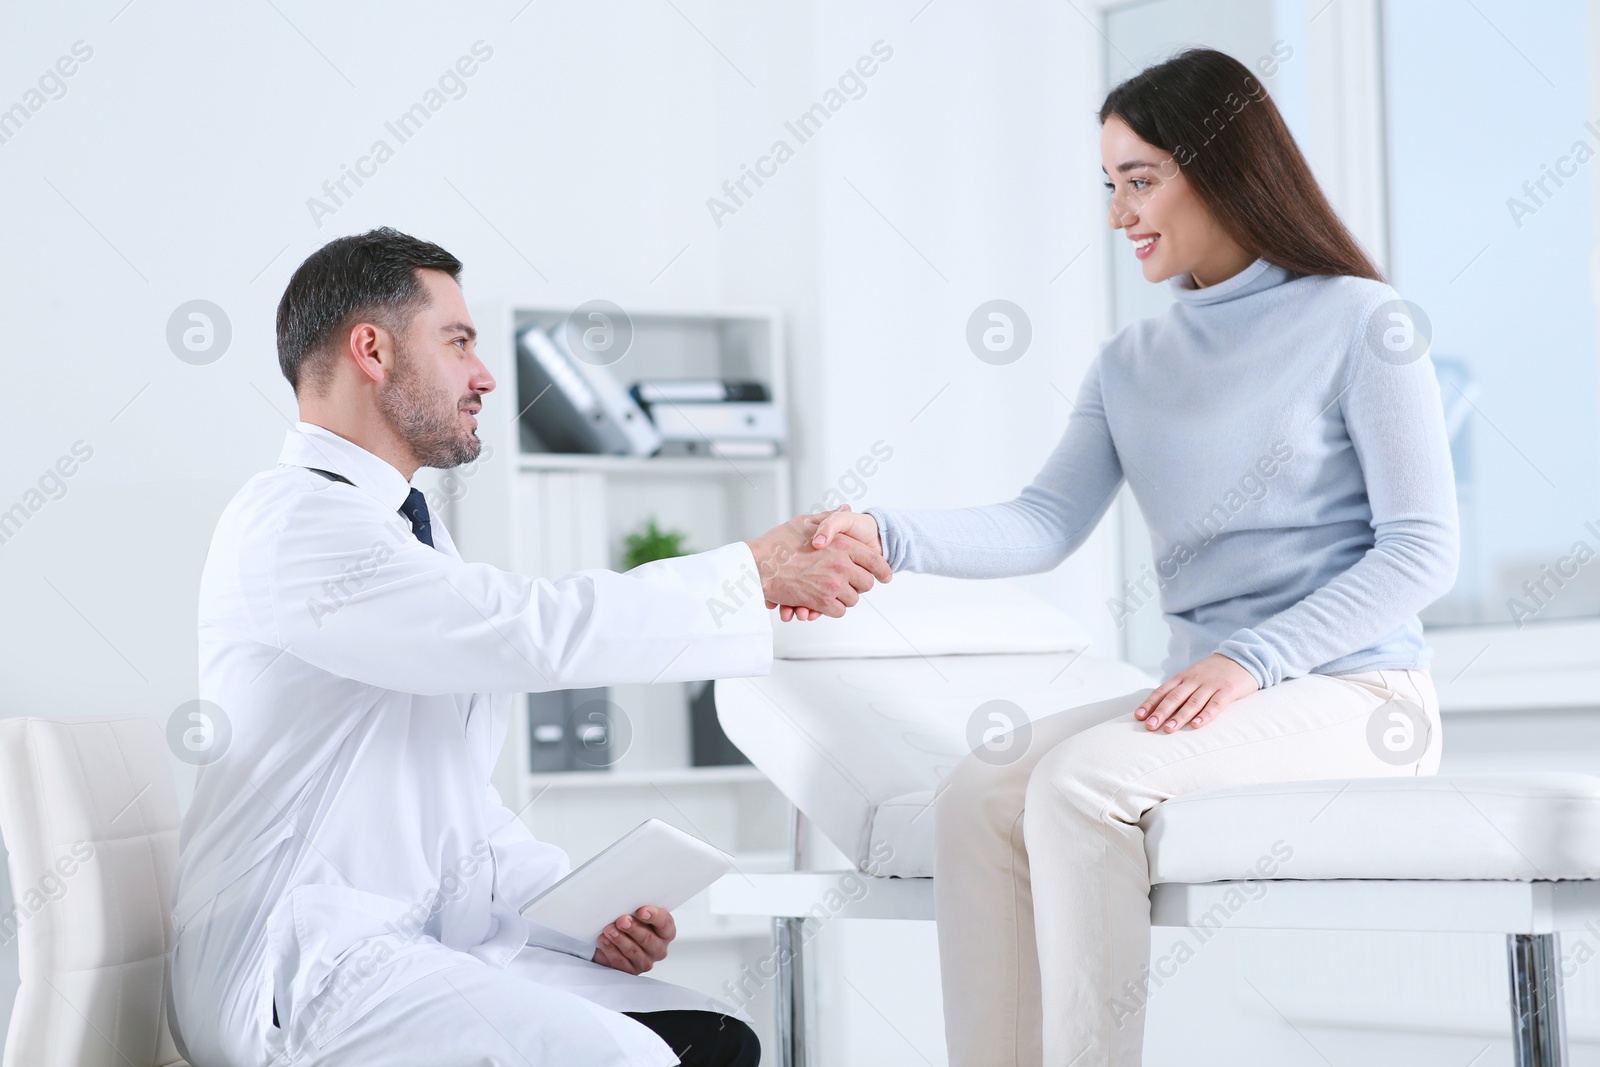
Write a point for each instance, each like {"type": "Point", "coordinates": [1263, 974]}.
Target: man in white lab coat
{"type": "Point", "coordinates": [349, 881]}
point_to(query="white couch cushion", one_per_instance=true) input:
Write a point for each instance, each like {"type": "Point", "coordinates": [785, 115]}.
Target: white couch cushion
{"type": "Point", "coordinates": [89, 814]}
{"type": "Point", "coordinates": [928, 615]}
{"type": "Point", "coordinates": [1510, 827]}
{"type": "Point", "coordinates": [1518, 827]}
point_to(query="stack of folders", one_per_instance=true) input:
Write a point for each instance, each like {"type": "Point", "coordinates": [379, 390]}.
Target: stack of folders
{"type": "Point", "coordinates": [573, 405]}
{"type": "Point", "coordinates": [734, 419]}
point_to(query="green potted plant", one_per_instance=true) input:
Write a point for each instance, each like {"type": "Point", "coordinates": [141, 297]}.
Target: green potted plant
{"type": "Point", "coordinates": [650, 543]}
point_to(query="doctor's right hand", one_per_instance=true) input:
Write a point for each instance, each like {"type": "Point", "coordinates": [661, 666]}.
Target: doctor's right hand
{"type": "Point", "coordinates": [797, 574]}
{"type": "Point", "coordinates": [839, 522]}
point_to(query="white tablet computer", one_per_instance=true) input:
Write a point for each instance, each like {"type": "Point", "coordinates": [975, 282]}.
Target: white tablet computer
{"type": "Point", "coordinates": [654, 863]}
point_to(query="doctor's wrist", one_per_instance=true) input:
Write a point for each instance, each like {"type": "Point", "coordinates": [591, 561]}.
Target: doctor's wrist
{"type": "Point", "coordinates": [777, 547]}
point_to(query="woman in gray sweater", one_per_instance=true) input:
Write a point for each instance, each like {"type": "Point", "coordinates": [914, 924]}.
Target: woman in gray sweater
{"type": "Point", "coordinates": [1281, 428]}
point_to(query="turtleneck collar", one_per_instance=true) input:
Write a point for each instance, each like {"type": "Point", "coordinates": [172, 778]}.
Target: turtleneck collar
{"type": "Point", "coordinates": [1256, 277]}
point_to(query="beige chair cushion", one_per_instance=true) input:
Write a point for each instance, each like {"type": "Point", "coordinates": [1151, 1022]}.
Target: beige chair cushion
{"type": "Point", "coordinates": [89, 814]}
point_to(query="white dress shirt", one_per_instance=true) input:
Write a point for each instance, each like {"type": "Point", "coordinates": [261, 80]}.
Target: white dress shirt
{"type": "Point", "coordinates": [368, 681]}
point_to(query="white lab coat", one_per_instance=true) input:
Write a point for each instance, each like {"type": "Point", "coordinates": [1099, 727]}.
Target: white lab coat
{"type": "Point", "coordinates": [367, 680]}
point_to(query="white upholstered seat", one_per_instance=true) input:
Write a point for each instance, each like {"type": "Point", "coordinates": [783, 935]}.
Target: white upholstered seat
{"type": "Point", "coordinates": [1500, 827]}
{"type": "Point", "coordinates": [89, 814]}
{"type": "Point", "coordinates": [860, 720]}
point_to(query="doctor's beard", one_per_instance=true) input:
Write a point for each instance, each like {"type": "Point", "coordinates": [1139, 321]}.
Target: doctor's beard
{"type": "Point", "coordinates": [428, 420]}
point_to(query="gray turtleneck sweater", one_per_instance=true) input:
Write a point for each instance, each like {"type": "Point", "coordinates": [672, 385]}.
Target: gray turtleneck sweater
{"type": "Point", "coordinates": [1289, 456]}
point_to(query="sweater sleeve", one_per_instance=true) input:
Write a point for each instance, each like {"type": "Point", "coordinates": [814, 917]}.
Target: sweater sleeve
{"type": "Point", "coordinates": [1395, 420]}
{"type": "Point", "coordinates": [1033, 533]}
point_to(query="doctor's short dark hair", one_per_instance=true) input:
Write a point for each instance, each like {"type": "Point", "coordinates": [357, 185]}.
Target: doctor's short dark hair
{"type": "Point", "coordinates": [366, 277]}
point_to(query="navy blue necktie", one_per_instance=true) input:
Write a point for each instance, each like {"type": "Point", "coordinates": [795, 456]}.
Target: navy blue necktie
{"type": "Point", "coordinates": [415, 509]}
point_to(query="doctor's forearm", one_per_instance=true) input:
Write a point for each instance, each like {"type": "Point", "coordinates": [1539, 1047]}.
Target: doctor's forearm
{"type": "Point", "coordinates": [455, 627]}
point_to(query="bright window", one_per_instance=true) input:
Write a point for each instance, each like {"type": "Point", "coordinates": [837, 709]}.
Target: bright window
{"type": "Point", "coordinates": [1492, 180]}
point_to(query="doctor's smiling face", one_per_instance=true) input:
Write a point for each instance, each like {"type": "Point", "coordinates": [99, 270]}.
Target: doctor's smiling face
{"type": "Point", "coordinates": [375, 337]}
{"type": "Point", "coordinates": [434, 391]}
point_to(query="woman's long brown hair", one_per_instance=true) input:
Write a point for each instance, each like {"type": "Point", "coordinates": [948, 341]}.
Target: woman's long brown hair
{"type": "Point", "coordinates": [1227, 137]}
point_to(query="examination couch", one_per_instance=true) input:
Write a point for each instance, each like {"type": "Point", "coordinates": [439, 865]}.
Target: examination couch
{"type": "Point", "coordinates": [863, 716]}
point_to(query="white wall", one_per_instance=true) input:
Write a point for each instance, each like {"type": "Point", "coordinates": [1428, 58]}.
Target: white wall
{"type": "Point", "coordinates": [190, 143]}
{"type": "Point", "coordinates": [969, 173]}
{"type": "Point", "coordinates": [178, 162]}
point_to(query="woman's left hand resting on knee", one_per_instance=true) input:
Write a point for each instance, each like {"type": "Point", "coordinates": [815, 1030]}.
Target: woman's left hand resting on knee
{"type": "Point", "coordinates": [635, 943]}
{"type": "Point", "coordinates": [1196, 695]}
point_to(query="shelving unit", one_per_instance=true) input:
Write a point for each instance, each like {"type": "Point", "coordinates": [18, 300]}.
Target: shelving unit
{"type": "Point", "coordinates": [704, 776]}
{"type": "Point", "coordinates": [559, 461]}
{"type": "Point", "coordinates": [548, 514]}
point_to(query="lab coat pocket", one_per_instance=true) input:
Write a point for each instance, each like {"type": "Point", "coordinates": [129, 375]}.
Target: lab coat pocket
{"type": "Point", "coordinates": [337, 953]}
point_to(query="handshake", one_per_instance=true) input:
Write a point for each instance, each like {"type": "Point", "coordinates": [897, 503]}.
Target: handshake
{"type": "Point", "coordinates": [819, 564]}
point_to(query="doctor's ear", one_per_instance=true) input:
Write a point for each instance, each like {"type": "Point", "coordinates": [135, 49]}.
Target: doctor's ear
{"type": "Point", "coordinates": [372, 349]}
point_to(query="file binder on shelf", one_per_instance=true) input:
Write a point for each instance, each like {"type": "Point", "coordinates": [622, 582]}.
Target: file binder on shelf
{"type": "Point", "coordinates": [696, 391]}
{"type": "Point", "coordinates": [731, 428]}
{"type": "Point", "coordinates": [575, 406]}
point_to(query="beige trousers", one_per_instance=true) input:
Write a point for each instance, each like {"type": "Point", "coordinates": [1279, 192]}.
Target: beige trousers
{"type": "Point", "coordinates": [1041, 885]}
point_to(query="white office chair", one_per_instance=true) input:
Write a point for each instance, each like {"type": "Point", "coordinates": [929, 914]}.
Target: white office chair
{"type": "Point", "coordinates": [89, 814]}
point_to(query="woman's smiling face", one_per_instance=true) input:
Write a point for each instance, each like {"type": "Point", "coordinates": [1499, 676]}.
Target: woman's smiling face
{"type": "Point", "coordinates": [1171, 229]}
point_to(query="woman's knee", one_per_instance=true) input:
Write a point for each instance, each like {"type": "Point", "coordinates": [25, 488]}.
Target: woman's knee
{"type": "Point", "coordinates": [976, 802]}
{"type": "Point", "coordinates": [978, 781]}
{"type": "Point", "coordinates": [993, 780]}
{"type": "Point", "coordinates": [1076, 773]}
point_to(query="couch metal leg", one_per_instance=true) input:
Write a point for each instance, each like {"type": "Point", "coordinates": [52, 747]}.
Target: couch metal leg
{"type": "Point", "coordinates": [788, 940]}
{"type": "Point", "coordinates": [1538, 1030]}
{"type": "Point", "coordinates": [788, 943]}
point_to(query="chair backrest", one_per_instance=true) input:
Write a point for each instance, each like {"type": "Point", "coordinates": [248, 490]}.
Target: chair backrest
{"type": "Point", "coordinates": [89, 813]}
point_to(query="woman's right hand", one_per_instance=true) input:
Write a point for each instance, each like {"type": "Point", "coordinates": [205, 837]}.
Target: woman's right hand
{"type": "Point", "coordinates": [861, 526]}
{"type": "Point", "coordinates": [857, 524]}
